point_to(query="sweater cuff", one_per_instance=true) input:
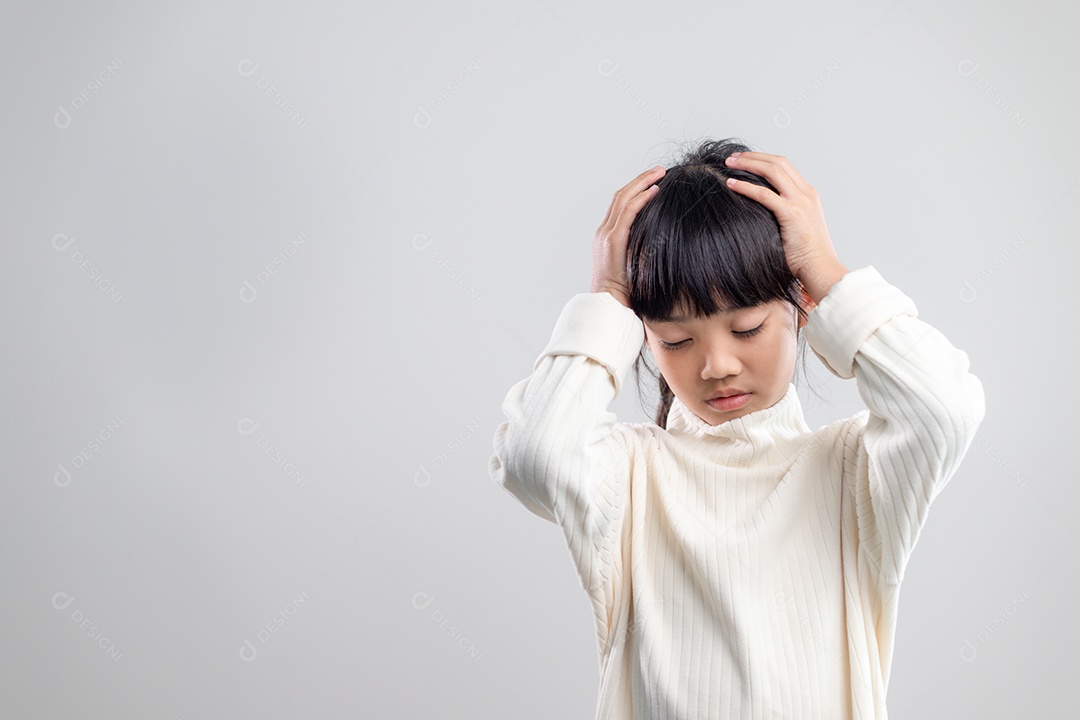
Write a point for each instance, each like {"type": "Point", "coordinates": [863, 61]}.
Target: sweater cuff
{"type": "Point", "coordinates": [854, 307]}
{"type": "Point", "coordinates": [600, 327]}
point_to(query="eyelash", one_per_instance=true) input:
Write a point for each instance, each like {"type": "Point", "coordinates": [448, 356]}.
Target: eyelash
{"type": "Point", "coordinates": [743, 333]}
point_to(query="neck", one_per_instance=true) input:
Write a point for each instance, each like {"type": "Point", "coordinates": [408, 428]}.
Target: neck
{"type": "Point", "coordinates": [777, 424]}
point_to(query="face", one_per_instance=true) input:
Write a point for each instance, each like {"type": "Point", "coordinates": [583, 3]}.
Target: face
{"type": "Point", "coordinates": [750, 351]}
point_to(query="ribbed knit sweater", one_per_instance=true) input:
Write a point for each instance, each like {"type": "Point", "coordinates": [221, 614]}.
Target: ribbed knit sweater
{"type": "Point", "coordinates": [749, 569]}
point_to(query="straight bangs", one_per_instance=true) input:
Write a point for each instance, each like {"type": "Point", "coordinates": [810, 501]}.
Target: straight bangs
{"type": "Point", "coordinates": [698, 247]}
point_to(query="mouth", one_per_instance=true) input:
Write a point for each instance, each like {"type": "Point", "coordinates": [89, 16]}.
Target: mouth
{"type": "Point", "coordinates": [729, 400]}
{"type": "Point", "coordinates": [731, 392]}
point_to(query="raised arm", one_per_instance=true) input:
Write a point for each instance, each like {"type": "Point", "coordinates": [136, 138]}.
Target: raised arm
{"type": "Point", "coordinates": [923, 409]}
{"type": "Point", "coordinates": [561, 452]}
{"type": "Point", "coordinates": [923, 405]}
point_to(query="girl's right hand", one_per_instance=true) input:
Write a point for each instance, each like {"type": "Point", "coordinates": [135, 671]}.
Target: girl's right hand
{"type": "Point", "coordinates": [609, 244]}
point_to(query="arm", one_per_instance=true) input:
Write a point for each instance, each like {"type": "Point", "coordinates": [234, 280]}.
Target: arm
{"type": "Point", "coordinates": [924, 408]}
{"type": "Point", "coordinates": [561, 453]}
{"type": "Point", "coordinates": [923, 405]}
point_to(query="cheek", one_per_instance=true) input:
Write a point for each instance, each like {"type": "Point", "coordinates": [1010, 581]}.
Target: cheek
{"type": "Point", "coordinates": [784, 347]}
{"type": "Point", "coordinates": [666, 364]}
{"type": "Point", "coordinates": [661, 360]}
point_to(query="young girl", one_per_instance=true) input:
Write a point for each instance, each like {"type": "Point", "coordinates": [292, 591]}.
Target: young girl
{"type": "Point", "coordinates": [739, 564]}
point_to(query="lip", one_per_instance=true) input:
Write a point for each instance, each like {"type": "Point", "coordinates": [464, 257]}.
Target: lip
{"type": "Point", "coordinates": [729, 402]}
{"type": "Point", "coordinates": [730, 392]}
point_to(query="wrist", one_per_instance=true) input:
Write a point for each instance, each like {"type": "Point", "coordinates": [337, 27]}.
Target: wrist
{"type": "Point", "coordinates": [614, 292]}
{"type": "Point", "coordinates": [819, 277]}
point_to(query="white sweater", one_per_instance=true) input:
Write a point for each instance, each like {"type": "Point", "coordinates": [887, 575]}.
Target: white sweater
{"type": "Point", "coordinates": [749, 569]}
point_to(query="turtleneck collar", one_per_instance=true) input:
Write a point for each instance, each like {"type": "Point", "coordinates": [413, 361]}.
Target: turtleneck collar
{"type": "Point", "coordinates": [776, 424]}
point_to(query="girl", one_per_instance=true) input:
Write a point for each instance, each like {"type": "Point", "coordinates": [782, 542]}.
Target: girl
{"type": "Point", "coordinates": [739, 564]}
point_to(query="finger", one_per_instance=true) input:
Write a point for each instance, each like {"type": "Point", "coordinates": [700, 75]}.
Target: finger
{"type": "Point", "coordinates": [629, 191]}
{"type": "Point", "coordinates": [777, 169]}
{"type": "Point", "coordinates": [760, 193]}
{"type": "Point", "coordinates": [766, 168]}
{"type": "Point", "coordinates": [631, 209]}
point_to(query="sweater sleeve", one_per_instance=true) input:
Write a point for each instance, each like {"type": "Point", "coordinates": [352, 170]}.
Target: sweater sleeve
{"type": "Point", "coordinates": [923, 409]}
{"type": "Point", "coordinates": [560, 451]}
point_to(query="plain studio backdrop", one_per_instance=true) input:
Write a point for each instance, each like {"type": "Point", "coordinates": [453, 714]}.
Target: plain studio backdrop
{"type": "Point", "coordinates": [270, 268]}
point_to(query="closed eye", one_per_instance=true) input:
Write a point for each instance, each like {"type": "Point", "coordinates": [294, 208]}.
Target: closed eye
{"type": "Point", "coordinates": [740, 333]}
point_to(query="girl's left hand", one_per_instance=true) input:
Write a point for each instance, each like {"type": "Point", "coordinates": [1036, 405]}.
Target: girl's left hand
{"type": "Point", "coordinates": [807, 245]}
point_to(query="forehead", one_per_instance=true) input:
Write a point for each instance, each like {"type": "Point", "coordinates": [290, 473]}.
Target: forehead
{"type": "Point", "coordinates": [682, 314]}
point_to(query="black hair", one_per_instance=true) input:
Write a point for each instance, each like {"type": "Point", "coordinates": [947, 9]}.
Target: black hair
{"type": "Point", "coordinates": [699, 246]}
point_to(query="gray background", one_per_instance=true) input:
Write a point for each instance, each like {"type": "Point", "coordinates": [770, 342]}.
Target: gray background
{"type": "Point", "coordinates": [269, 271]}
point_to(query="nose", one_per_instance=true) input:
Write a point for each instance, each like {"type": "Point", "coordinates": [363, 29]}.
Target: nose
{"type": "Point", "coordinates": [721, 361]}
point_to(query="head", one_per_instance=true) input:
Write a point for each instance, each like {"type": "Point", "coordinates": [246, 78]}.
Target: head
{"type": "Point", "coordinates": [709, 280]}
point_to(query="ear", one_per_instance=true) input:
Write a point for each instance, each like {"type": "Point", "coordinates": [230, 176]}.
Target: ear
{"type": "Point", "coordinates": [807, 303]}
{"type": "Point", "coordinates": [648, 343]}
